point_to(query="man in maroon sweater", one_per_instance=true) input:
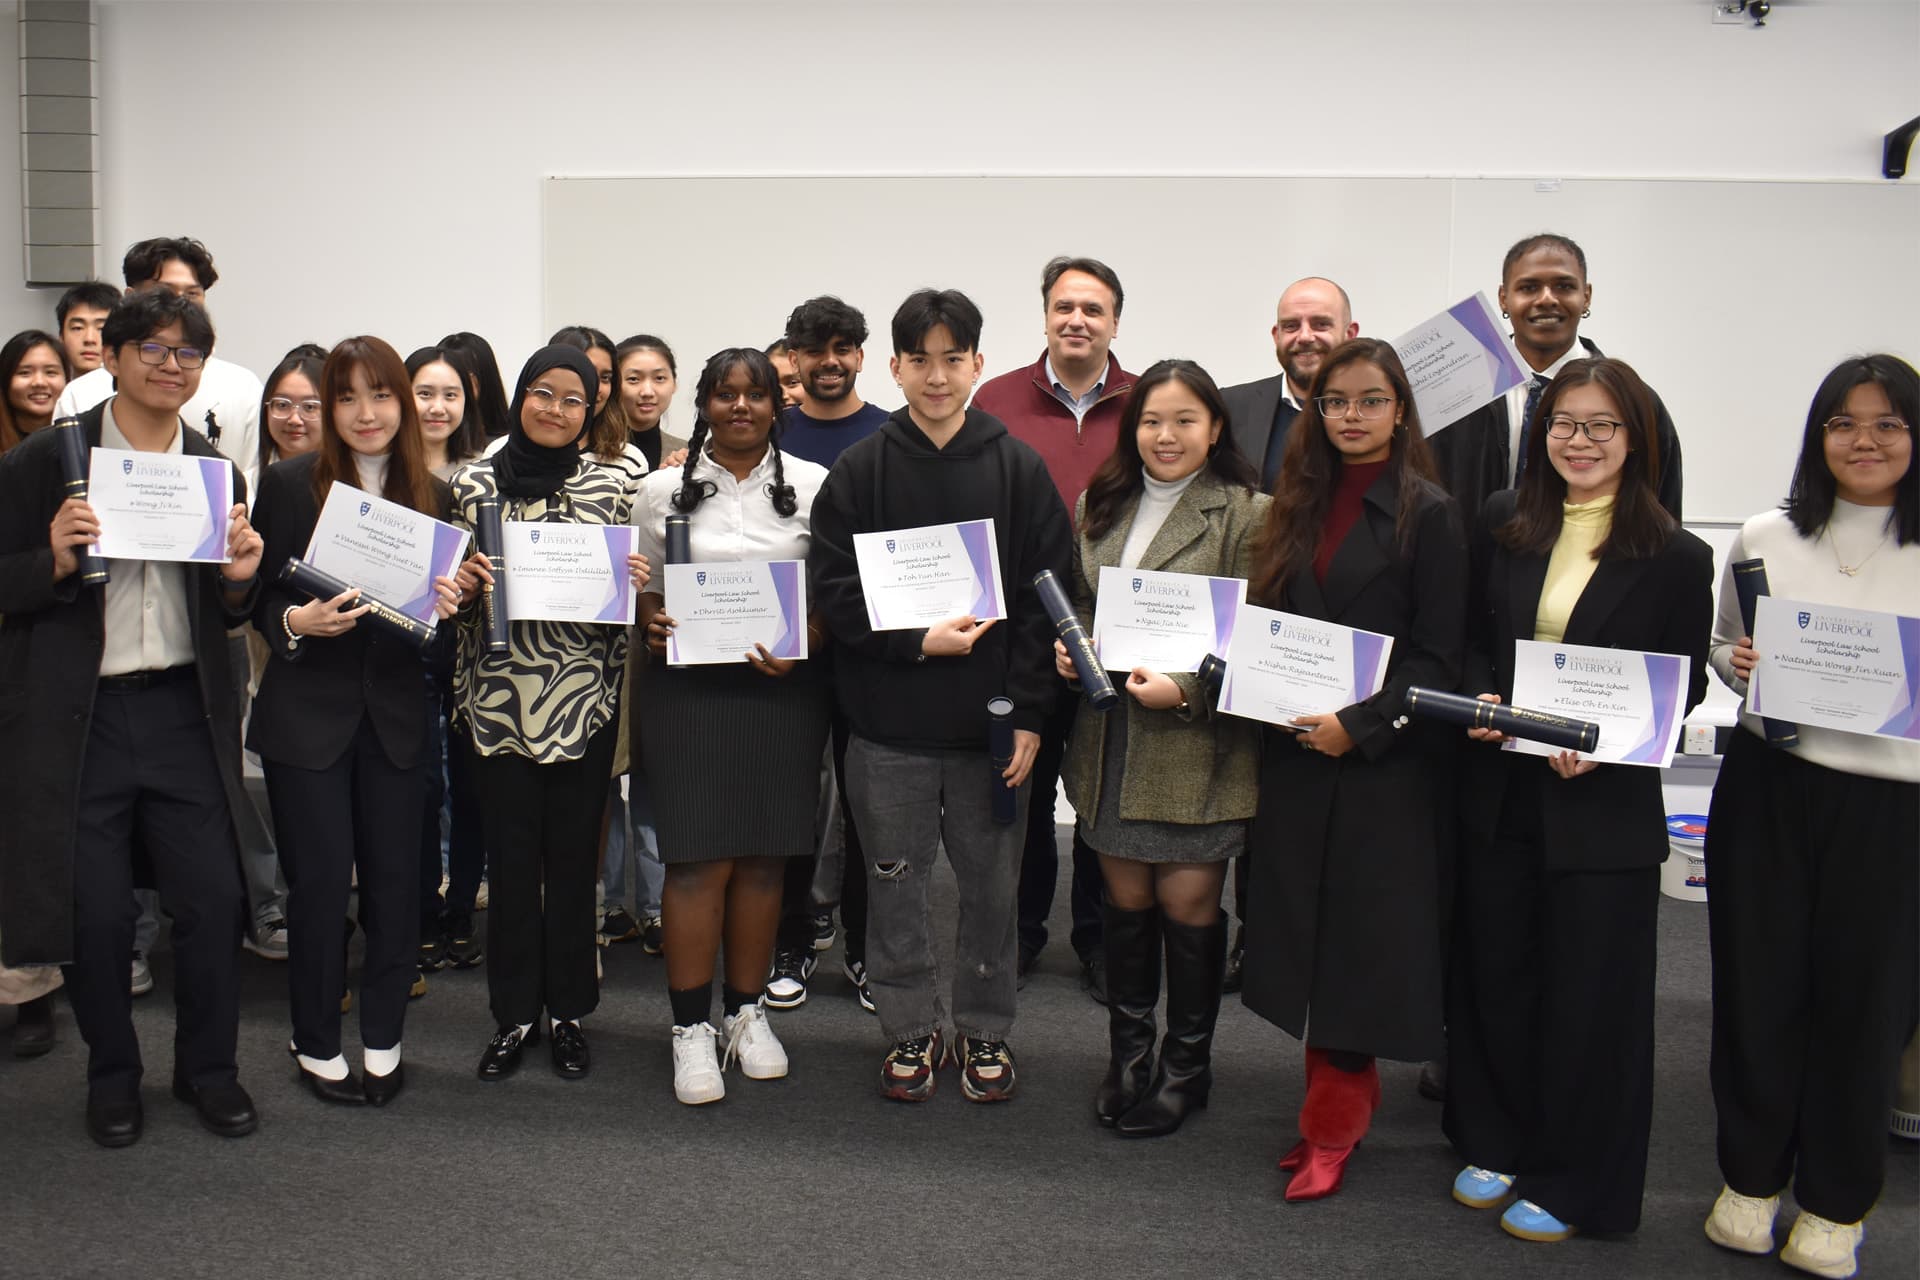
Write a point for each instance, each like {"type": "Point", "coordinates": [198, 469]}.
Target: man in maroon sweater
{"type": "Point", "coordinates": [1066, 405]}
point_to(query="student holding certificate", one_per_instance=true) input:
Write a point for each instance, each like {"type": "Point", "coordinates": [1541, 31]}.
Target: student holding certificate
{"type": "Point", "coordinates": [341, 730]}
{"type": "Point", "coordinates": [1164, 786]}
{"type": "Point", "coordinates": [1811, 850]}
{"type": "Point", "coordinates": [1343, 916]}
{"type": "Point", "coordinates": [1550, 989]}
{"type": "Point", "coordinates": [746, 502]}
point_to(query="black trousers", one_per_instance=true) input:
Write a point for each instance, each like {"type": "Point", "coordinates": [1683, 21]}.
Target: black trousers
{"type": "Point", "coordinates": [360, 812]}
{"type": "Point", "coordinates": [1812, 886]}
{"type": "Point", "coordinates": [150, 775]}
{"type": "Point", "coordinates": [542, 825]}
{"type": "Point", "coordinates": [1550, 1023]}
{"type": "Point", "coordinates": [1040, 857]}
{"type": "Point", "coordinates": [796, 893]}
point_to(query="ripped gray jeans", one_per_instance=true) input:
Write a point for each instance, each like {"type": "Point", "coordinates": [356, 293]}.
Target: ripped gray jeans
{"type": "Point", "coordinates": [906, 804]}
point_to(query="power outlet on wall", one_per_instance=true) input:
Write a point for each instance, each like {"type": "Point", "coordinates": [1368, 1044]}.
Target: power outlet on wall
{"type": "Point", "coordinates": [1696, 740]}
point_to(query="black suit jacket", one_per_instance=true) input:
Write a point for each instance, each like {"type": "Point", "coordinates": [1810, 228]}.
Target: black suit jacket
{"type": "Point", "coordinates": [50, 648]}
{"type": "Point", "coordinates": [313, 695]}
{"type": "Point", "coordinates": [1251, 407]}
{"type": "Point", "coordinates": [1615, 817]}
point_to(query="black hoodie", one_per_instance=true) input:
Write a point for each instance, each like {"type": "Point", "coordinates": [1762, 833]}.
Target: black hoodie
{"type": "Point", "coordinates": [897, 479]}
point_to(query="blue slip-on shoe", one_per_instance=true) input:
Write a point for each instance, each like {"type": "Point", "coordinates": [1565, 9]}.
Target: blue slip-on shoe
{"type": "Point", "coordinates": [1479, 1188]}
{"type": "Point", "coordinates": [1528, 1221]}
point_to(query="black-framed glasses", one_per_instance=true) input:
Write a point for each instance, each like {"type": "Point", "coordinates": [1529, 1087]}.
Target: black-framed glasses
{"type": "Point", "coordinates": [1598, 430]}
{"type": "Point", "coordinates": [1365, 406]}
{"type": "Point", "coordinates": [547, 402]}
{"type": "Point", "coordinates": [156, 353]}
{"type": "Point", "coordinates": [281, 407]}
{"type": "Point", "coordinates": [1884, 430]}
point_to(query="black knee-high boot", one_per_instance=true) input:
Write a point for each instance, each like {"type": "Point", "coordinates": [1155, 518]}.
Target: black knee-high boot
{"type": "Point", "coordinates": [1132, 942]}
{"type": "Point", "coordinates": [1196, 963]}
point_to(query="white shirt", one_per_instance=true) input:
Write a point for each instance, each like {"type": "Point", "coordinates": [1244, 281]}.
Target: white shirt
{"type": "Point", "coordinates": [738, 521]}
{"type": "Point", "coordinates": [1517, 402]}
{"type": "Point", "coordinates": [227, 391]}
{"type": "Point", "coordinates": [148, 627]}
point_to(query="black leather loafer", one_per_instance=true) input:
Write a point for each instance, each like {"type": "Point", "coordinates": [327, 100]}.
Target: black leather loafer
{"type": "Point", "coordinates": [570, 1058]}
{"type": "Point", "coordinates": [33, 1029]}
{"type": "Point", "coordinates": [225, 1109]}
{"type": "Point", "coordinates": [346, 1091]}
{"type": "Point", "coordinates": [381, 1090]}
{"type": "Point", "coordinates": [501, 1058]}
{"type": "Point", "coordinates": [114, 1121]}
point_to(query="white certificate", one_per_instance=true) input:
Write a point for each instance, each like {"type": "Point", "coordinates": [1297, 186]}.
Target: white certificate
{"type": "Point", "coordinates": [915, 577]}
{"type": "Point", "coordinates": [1163, 621]}
{"type": "Point", "coordinates": [1844, 669]}
{"type": "Point", "coordinates": [391, 552]}
{"type": "Point", "coordinates": [1458, 361]}
{"type": "Point", "coordinates": [568, 572]}
{"type": "Point", "coordinates": [1637, 699]}
{"type": "Point", "coordinates": [160, 506]}
{"type": "Point", "coordinates": [720, 610]}
{"type": "Point", "coordinates": [1281, 665]}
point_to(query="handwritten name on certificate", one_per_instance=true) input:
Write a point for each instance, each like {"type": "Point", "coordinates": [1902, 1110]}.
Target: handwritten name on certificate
{"type": "Point", "coordinates": [721, 610]}
{"type": "Point", "coordinates": [1458, 361]}
{"type": "Point", "coordinates": [568, 572]}
{"type": "Point", "coordinates": [1163, 621]}
{"type": "Point", "coordinates": [1281, 665]}
{"type": "Point", "coordinates": [391, 552]}
{"type": "Point", "coordinates": [1846, 669]}
{"type": "Point", "coordinates": [160, 506]}
{"type": "Point", "coordinates": [915, 577]}
{"type": "Point", "coordinates": [1637, 699]}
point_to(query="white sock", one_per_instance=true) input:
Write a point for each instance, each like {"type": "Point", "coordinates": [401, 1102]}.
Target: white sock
{"type": "Point", "coordinates": [334, 1068]}
{"type": "Point", "coordinates": [383, 1062]}
{"type": "Point", "coordinates": [524, 1028]}
{"type": "Point", "coordinates": [553, 1022]}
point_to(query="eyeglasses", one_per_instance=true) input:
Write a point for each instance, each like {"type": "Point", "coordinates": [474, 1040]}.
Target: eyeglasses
{"type": "Point", "coordinates": [547, 402]}
{"type": "Point", "coordinates": [156, 353]}
{"type": "Point", "coordinates": [281, 407]}
{"type": "Point", "coordinates": [1365, 406]}
{"type": "Point", "coordinates": [1884, 430]}
{"type": "Point", "coordinates": [1598, 430]}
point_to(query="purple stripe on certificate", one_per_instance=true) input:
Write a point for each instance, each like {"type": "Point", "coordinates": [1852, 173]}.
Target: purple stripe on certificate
{"type": "Point", "coordinates": [977, 537]}
{"type": "Point", "coordinates": [1664, 672]}
{"type": "Point", "coordinates": [619, 540]}
{"type": "Point", "coordinates": [786, 588]}
{"type": "Point", "coordinates": [1906, 722]}
{"type": "Point", "coordinates": [216, 475]}
{"type": "Point", "coordinates": [1226, 603]}
{"type": "Point", "coordinates": [1367, 656]}
{"type": "Point", "coordinates": [441, 563]}
{"type": "Point", "coordinates": [1475, 320]}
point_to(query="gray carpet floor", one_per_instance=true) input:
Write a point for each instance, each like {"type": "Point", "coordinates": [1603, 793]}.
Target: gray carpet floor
{"type": "Point", "coordinates": [814, 1175]}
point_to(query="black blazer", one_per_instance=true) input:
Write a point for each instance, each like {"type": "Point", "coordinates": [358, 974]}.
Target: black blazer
{"type": "Point", "coordinates": [50, 648]}
{"type": "Point", "coordinates": [1615, 817]}
{"type": "Point", "coordinates": [314, 694]}
{"type": "Point", "coordinates": [1251, 410]}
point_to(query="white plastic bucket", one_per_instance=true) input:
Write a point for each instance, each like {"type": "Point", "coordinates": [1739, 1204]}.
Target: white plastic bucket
{"type": "Point", "coordinates": [1684, 874]}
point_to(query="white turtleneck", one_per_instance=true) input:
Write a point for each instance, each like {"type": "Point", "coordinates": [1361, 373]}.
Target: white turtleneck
{"type": "Point", "coordinates": [373, 472]}
{"type": "Point", "coordinates": [1157, 499]}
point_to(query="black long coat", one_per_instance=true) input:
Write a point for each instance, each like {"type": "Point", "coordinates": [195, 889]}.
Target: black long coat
{"type": "Point", "coordinates": [50, 649]}
{"type": "Point", "coordinates": [1343, 919]}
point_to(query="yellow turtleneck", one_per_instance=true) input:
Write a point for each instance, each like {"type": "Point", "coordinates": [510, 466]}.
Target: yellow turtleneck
{"type": "Point", "coordinates": [1570, 567]}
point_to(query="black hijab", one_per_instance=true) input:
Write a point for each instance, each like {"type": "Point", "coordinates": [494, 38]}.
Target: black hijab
{"type": "Point", "coordinates": [529, 470]}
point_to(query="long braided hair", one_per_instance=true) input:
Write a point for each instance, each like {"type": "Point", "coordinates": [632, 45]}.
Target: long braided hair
{"type": "Point", "coordinates": [691, 493]}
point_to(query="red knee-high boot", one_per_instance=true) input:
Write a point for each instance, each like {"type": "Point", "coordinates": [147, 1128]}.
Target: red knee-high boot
{"type": "Point", "coordinates": [1335, 1116]}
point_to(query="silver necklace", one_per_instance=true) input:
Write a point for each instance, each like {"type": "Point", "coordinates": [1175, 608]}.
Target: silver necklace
{"type": "Point", "coordinates": [1850, 570]}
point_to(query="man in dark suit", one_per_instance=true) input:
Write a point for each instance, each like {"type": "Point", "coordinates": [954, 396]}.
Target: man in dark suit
{"type": "Point", "coordinates": [1315, 316]}
{"type": "Point", "coordinates": [119, 726]}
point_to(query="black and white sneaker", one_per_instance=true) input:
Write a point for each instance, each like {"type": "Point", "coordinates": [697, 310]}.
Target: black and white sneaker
{"type": "Point", "coordinates": [823, 931]}
{"type": "Point", "coordinates": [618, 926]}
{"type": "Point", "coordinates": [787, 986]}
{"type": "Point", "coordinates": [856, 971]}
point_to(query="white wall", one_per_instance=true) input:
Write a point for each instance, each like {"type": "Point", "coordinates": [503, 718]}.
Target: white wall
{"type": "Point", "coordinates": [362, 167]}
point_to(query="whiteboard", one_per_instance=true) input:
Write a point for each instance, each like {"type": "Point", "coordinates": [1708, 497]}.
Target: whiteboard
{"type": "Point", "coordinates": [1731, 298]}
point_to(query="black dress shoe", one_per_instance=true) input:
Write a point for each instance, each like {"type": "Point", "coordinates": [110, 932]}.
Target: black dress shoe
{"type": "Point", "coordinates": [1433, 1080]}
{"type": "Point", "coordinates": [380, 1090]}
{"type": "Point", "coordinates": [33, 1030]}
{"type": "Point", "coordinates": [225, 1109]}
{"type": "Point", "coordinates": [345, 1090]}
{"type": "Point", "coordinates": [570, 1060]}
{"type": "Point", "coordinates": [114, 1120]}
{"type": "Point", "coordinates": [501, 1058]}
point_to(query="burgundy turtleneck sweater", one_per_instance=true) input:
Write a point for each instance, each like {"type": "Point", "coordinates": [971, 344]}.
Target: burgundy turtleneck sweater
{"type": "Point", "coordinates": [1348, 492]}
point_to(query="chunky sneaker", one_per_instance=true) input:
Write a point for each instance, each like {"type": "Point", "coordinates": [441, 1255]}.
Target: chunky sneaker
{"type": "Point", "coordinates": [1822, 1247]}
{"type": "Point", "coordinates": [856, 971]}
{"type": "Point", "coordinates": [907, 1075]}
{"type": "Point", "coordinates": [463, 948]}
{"type": "Point", "coordinates": [787, 986]}
{"type": "Point", "coordinates": [618, 926]}
{"type": "Point", "coordinates": [652, 936]}
{"type": "Point", "coordinates": [696, 1065]}
{"type": "Point", "coordinates": [1526, 1220]}
{"type": "Point", "coordinates": [268, 939]}
{"type": "Point", "coordinates": [140, 977]}
{"type": "Point", "coordinates": [1742, 1223]}
{"type": "Point", "coordinates": [1479, 1188]}
{"type": "Point", "coordinates": [823, 931]}
{"type": "Point", "coordinates": [751, 1043]}
{"type": "Point", "coordinates": [986, 1070]}
{"type": "Point", "coordinates": [432, 954]}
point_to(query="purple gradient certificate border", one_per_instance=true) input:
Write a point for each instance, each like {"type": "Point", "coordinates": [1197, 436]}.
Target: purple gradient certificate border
{"type": "Point", "coordinates": [790, 585]}
{"type": "Point", "coordinates": [620, 544]}
{"type": "Point", "coordinates": [448, 544]}
{"type": "Point", "coordinates": [214, 488]}
{"type": "Point", "coordinates": [787, 579]}
{"type": "Point", "coordinates": [1890, 641]}
{"type": "Point", "coordinates": [978, 554]}
{"type": "Point", "coordinates": [216, 474]}
{"type": "Point", "coordinates": [983, 554]}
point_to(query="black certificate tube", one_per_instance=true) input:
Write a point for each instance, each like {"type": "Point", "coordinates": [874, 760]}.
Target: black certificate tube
{"type": "Point", "coordinates": [679, 539]}
{"type": "Point", "coordinates": [1086, 663]}
{"type": "Point", "coordinates": [1750, 583]}
{"type": "Point", "coordinates": [308, 581]}
{"type": "Point", "coordinates": [493, 600]}
{"type": "Point", "coordinates": [1212, 675]}
{"type": "Point", "coordinates": [74, 467]}
{"type": "Point", "coordinates": [1000, 748]}
{"type": "Point", "coordinates": [1564, 732]}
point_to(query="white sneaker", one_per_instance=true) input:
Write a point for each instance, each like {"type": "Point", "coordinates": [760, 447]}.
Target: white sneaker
{"type": "Point", "coordinates": [1742, 1223]}
{"type": "Point", "coordinates": [696, 1065]}
{"type": "Point", "coordinates": [1822, 1247]}
{"type": "Point", "coordinates": [750, 1039]}
{"type": "Point", "coordinates": [139, 975]}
